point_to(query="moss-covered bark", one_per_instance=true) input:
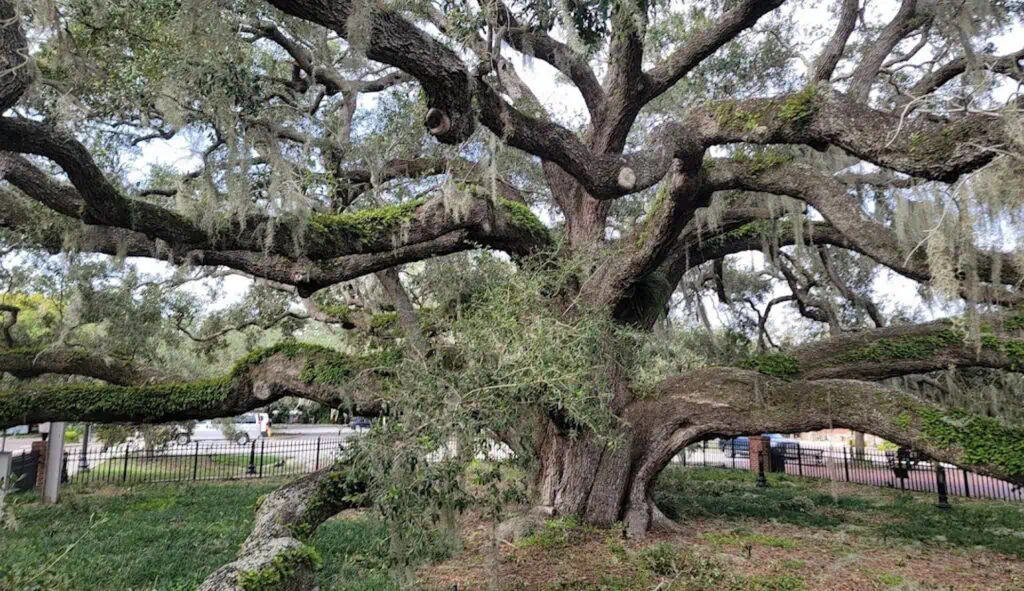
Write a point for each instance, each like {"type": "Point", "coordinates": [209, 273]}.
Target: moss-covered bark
{"type": "Point", "coordinates": [264, 375]}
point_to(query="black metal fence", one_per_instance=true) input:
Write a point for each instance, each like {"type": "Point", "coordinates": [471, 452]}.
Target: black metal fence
{"type": "Point", "coordinates": [199, 460]}
{"type": "Point", "coordinates": [902, 471]}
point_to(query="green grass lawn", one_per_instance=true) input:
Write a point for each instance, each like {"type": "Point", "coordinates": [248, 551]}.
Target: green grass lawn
{"type": "Point", "coordinates": [686, 494]}
{"type": "Point", "coordinates": [160, 537]}
{"type": "Point", "coordinates": [165, 537]}
{"type": "Point", "coordinates": [169, 537]}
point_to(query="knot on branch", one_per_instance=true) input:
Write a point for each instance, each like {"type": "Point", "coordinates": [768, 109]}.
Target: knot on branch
{"type": "Point", "coordinates": [627, 179]}
{"type": "Point", "coordinates": [438, 122]}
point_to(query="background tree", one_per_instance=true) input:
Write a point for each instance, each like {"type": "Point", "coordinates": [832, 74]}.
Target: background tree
{"type": "Point", "coordinates": [889, 136]}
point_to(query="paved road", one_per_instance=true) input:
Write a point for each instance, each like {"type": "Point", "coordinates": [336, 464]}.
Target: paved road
{"type": "Point", "coordinates": [17, 444]}
{"type": "Point", "coordinates": [309, 431]}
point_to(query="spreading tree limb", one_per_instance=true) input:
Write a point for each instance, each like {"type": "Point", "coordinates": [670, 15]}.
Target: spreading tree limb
{"type": "Point", "coordinates": [265, 375]}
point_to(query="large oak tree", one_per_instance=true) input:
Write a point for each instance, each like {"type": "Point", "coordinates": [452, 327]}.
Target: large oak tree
{"type": "Point", "coordinates": [343, 139]}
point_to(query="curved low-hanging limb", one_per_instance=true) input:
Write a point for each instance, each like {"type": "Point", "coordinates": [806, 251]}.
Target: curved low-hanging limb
{"type": "Point", "coordinates": [275, 551]}
{"type": "Point", "coordinates": [728, 402]}
{"type": "Point", "coordinates": [265, 375]}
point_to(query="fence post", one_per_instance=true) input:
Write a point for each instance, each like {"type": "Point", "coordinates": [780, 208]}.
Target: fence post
{"type": "Point", "coordinates": [685, 449]}
{"type": "Point", "coordinates": [846, 465]}
{"type": "Point", "coordinates": [124, 473]}
{"type": "Point", "coordinates": [262, 444]}
{"type": "Point", "coordinates": [940, 484]}
{"type": "Point", "coordinates": [967, 488]}
{"type": "Point", "coordinates": [799, 459]}
{"type": "Point", "coordinates": [704, 452]}
{"type": "Point", "coordinates": [317, 453]}
{"type": "Point", "coordinates": [732, 449]}
{"type": "Point", "coordinates": [195, 462]}
{"type": "Point", "coordinates": [83, 460]}
{"type": "Point", "coordinates": [252, 459]}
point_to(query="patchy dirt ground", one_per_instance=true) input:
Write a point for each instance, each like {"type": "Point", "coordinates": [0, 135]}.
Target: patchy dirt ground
{"type": "Point", "coordinates": [799, 536]}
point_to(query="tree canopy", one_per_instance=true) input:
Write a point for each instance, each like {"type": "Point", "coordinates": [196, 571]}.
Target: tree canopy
{"type": "Point", "coordinates": [595, 232]}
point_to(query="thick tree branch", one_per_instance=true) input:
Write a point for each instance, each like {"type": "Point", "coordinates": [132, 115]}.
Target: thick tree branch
{"type": "Point", "coordinates": [906, 21]}
{"type": "Point", "coordinates": [841, 210]}
{"type": "Point", "coordinates": [284, 519]}
{"type": "Point", "coordinates": [304, 371]}
{"type": "Point", "coordinates": [702, 44]}
{"type": "Point", "coordinates": [602, 175]}
{"type": "Point", "coordinates": [103, 202]}
{"type": "Point", "coordinates": [650, 244]}
{"type": "Point", "coordinates": [1008, 65]}
{"type": "Point", "coordinates": [462, 170]}
{"type": "Point", "coordinates": [624, 79]}
{"type": "Point", "coordinates": [825, 64]}
{"type": "Point", "coordinates": [882, 353]}
{"type": "Point", "coordinates": [307, 276]}
{"type": "Point", "coordinates": [391, 281]}
{"type": "Point", "coordinates": [388, 37]}
{"type": "Point", "coordinates": [33, 362]}
{"type": "Point", "coordinates": [16, 68]}
{"type": "Point", "coordinates": [819, 117]}
{"type": "Point", "coordinates": [338, 247]}
{"type": "Point", "coordinates": [726, 402]}
{"type": "Point", "coordinates": [559, 55]}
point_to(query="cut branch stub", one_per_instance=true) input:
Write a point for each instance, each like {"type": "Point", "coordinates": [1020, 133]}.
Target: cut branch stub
{"type": "Point", "coordinates": [627, 179]}
{"type": "Point", "coordinates": [438, 122]}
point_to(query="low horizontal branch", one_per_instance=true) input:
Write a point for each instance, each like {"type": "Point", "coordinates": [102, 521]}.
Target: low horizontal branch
{"type": "Point", "coordinates": [265, 375]}
{"type": "Point", "coordinates": [888, 352]}
{"type": "Point", "coordinates": [728, 402]}
{"type": "Point", "coordinates": [26, 363]}
{"type": "Point", "coordinates": [347, 245]}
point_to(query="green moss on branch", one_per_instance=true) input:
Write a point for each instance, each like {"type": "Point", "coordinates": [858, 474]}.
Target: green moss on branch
{"type": "Point", "coordinates": [368, 226]}
{"type": "Point", "coordinates": [909, 347]}
{"type": "Point", "coordinates": [155, 402]}
{"type": "Point", "coordinates": [983, 440]}
{"type": "Point", "coordinates": [342, 489]}
{"type": "Point", "coordinates": [775, 364]}
{"type": "Point", "coordinates": [522, 218]}
{"type": "Point", "coordinates": [282, 570]}
{"type": "Point", "coordinates": [800, 105]}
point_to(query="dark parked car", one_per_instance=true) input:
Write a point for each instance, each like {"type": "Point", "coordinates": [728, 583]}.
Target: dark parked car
{"type": "Point", "coordinates": [739, 447]}
{"type": "Point", "coordinates": [785, 449]}
{"type": "Point", "coordinates": [359, 423]}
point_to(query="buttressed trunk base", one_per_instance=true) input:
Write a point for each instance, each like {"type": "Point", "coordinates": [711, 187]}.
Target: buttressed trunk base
{"type": "Point", "coordinates": [601, 482]}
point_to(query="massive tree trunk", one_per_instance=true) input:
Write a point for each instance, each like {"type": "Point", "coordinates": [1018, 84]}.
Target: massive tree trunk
{"type": "Point", "coordinates": [604, 481]}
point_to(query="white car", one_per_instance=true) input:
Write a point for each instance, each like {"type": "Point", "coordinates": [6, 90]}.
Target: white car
{"type": "Point", "coordinates": [247, 427]}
